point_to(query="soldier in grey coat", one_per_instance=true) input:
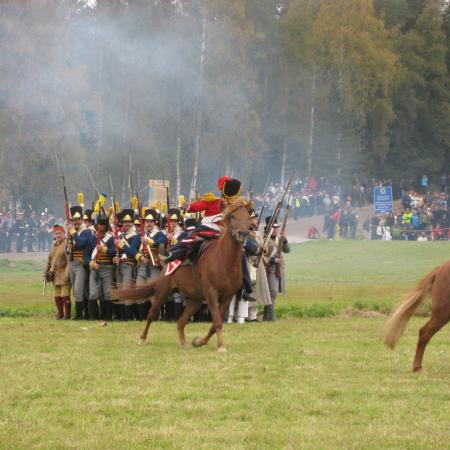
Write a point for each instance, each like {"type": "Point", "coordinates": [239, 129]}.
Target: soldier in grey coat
{"type": "Point", "coordinates": [273, 260]}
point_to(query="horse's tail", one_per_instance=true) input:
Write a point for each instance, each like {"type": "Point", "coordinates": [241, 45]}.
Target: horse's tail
{"type": "Point", "coordinates": [405, 309]}
{"type": "Point", "coordinates": [135, 293]}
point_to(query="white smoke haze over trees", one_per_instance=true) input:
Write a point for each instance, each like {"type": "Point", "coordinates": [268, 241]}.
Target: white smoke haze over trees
{"type": "Point", "coordinates": [243, 87]}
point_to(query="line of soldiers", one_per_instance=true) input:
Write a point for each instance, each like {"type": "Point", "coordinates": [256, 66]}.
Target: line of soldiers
{"type": "Point", "coordinates": [95, 255]}
{"type": "Point", "coordinates": [25, 230]}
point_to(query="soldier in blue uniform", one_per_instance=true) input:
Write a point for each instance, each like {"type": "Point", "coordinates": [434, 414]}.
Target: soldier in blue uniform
{"type": "Point", "coordinates": [79, 257]}
{"type": "Point", "coordinates": [102, 270]}
{"type": "Point", "coordinates": [88, 223]}
{"type": "Point", "coordinates": [152, 251]}
{"type": "Point", "coordinates": [128, 245]}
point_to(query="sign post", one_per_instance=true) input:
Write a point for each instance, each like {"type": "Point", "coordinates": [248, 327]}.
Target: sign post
{"type": "Point", "coordinates": [382, 199]}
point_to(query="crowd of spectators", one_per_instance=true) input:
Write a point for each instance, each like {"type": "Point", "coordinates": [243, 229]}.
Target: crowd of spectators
{"type": "Point", "coordinates": [420, 217]}
{"type": "Point", "coordinates": [423, 214]}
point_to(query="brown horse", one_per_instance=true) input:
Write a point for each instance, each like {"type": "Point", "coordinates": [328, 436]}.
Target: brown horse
{"type": "Point", "coordinates": [436, 284]}
{"type": "Point", "coordinates": [216, 277]}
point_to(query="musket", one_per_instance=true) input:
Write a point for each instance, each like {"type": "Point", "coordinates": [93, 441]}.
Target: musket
{"type": "Point", "coordinates": [264, 200]}
{"type": "Point", "coordinates": [95, 187]}
{"type": "Point", "coordinates": [66, 203]}
{"type": "Point", "coordinates": [169, 226]}
{"type": "Point", "coordinates": [274, 217]}
{"type": "Point", "coordinates": [283, 230]}
{"type": "Point", "coordinates": [197, 214]}
{"type": "Point", "coordinates": [115, 221]}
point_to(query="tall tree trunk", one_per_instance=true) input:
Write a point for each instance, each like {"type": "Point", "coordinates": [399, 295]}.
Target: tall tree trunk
{"type": "Point", "coordinates": [312, 122]}
{"type": "Point", "coordinates": [200, 105]}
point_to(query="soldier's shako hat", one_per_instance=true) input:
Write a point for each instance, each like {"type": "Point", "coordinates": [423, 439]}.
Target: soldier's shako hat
{"type": "Point", "coordinates": [127, 215]}
{"type": "Point", "coordinates": [87, 215]}
{"type": "Point", "coordinates": [150, 214]}
{"type": "Point", "coordinates": [252, 213]}
{"type": "Point", "coordinates": [76, 212]}
{"type": "Point", "coordinates": [230, 187]}
{"type": "Point", "coordinates": [137, 219]}
{"type": "Point", "coordinates": [190, 223]}
{"type": "Point", "coordinates": [102, 220]}
{"type": "Point", "coordinates": [174, 214]}
{"type": "Point", "coordinates": [275, 224]}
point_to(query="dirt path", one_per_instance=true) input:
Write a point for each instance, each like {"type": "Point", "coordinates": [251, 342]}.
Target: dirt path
{"type": "Point", "coordinates": [25, 256]}
{"type": "Point", "coordinates": [297, 230]}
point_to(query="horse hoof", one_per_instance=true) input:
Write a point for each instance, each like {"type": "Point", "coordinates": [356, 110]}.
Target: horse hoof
{"type": "Point", "coordinates": [141, 341]}
{"type": "Point", "coordinates": [196, 342]}
{"type": "Point", "coordinates": [221, 350]}
{"type": "Point", "coordinates": [417, 369]}
{"type": "Point", "coordinates": [183, 346]}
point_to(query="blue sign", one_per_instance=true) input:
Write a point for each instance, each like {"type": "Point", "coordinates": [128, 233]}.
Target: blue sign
{"type": "Point", "coordinates": [382, 199]}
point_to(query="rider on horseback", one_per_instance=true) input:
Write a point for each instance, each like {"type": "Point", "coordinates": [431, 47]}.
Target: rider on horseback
{"type": "Point", "coordinates": [210, 225]}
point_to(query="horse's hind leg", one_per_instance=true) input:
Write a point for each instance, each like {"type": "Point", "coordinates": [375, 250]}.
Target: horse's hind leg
{"type": "Point", "coordinates": [162, 292]}
{"type": "Point", "coordinates": [191, 308]}
{"type": "Point", "coordinates": [425, 334]}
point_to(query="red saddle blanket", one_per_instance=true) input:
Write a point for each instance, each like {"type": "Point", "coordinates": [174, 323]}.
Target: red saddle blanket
{"type": "Point", "coordinates": [173, 266]}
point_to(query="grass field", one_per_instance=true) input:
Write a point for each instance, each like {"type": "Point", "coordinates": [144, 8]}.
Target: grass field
{"type": "Point", "coordinates": [318, 378]}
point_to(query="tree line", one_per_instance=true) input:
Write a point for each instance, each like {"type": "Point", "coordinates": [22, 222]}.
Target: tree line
{"type": "Point", "coordinates": [192, 89]}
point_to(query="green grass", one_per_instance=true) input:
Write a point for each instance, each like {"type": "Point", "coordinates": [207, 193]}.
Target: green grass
{"type": "Point", "coordinates": [324, 278]}
{"type": "Point", "coordinates": [316, 383]}
{"type": "Point", "coordinates": [310, 383]}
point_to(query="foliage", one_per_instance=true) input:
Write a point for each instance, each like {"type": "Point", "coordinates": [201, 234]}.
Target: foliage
{"type": "Point", "coordinates": [356, 86]}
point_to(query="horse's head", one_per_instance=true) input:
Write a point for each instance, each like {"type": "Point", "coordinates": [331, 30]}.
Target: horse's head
{"type": "Point", "coordinates": [237, 221]}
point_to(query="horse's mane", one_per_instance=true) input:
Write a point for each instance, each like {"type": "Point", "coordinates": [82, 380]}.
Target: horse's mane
{"type": "Point", "coordinates": [230, 209]}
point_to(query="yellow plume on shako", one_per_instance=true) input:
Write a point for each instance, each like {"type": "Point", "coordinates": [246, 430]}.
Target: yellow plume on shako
{"type": "Point", "coordinates": [100, 202]}
{"type": "Point", "coordinates": [134, 203]}
{"type": "Point", "coordinates": [80, 198]}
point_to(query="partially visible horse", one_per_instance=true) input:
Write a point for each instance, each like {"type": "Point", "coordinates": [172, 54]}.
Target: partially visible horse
{"type": "Point", "coordinates": [216, 277]}
{"type": "Point", "coordinates": [436, 284]}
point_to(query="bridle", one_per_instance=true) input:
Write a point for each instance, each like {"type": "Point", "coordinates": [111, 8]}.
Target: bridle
{"type": "Point", "coordinates": [239, 236]}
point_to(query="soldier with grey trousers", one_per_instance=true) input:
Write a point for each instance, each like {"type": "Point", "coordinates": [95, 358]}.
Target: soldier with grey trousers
{"type": "Point", "coordinates": [102, 271]}
{"type": "Point", "coordinates": [79, 257]}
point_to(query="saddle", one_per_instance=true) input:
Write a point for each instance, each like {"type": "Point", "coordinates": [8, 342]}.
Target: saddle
{"type": "Point", "coordinates": [197, 245]}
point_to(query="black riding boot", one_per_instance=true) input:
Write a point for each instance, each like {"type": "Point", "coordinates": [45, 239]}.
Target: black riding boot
{"type": "Point", "coordinates": [247, 282]}
{"type": "Point", "coordinates": [170, 311]}
{"type": "Point", "coordinates": [108, 310]}
{"type": "Point", "coordinates": [93, 309]}
{"type": "Point", "coordinates": [78, 311]}
{"type": "Point", "coordinates": [177, 310]}
{"type": "Point", "coordinates": [86, 309]}
{"type": "Point", "coordinates": [143, 309]}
